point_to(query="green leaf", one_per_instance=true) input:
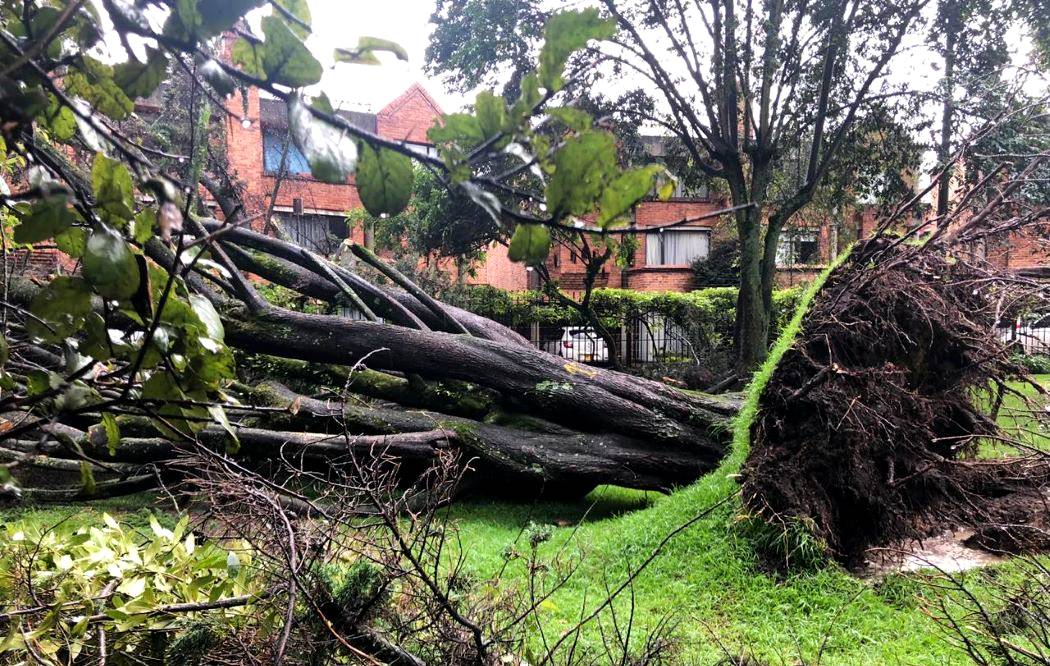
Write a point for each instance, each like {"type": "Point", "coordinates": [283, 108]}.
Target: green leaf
{"type": "Point", "coordinates": [72, 241]}
{"type": "Point", "coordinates": [93, 81]}
{"type": "Point", "coordinates": [365, 52]}
{"type": "Point", "coordinates": [459, 128]}
{"type": "Point", "coordinates": [109, 264]}
{"type": "Point", "coordinates": [384, 180]}
{"type": "Point", "coordinates": [567, 32]}
{"type": "Point", "coordinates": [185, 20]}
{"type": "Point", "coordinates": [63, 304]}
{"type": "Point", "coordinates": [322, 103]}
{"type": "Point", "coordinates": [47, 217]}
{"type": "Point", "coordinates": [530, 243]}
{"type": "Point", "coordinates": [208, 316]}
{"type": "Point", "coordinates": [529, 98]}
{"type": "Point", "coordinates": [622, 193]}
{"type": "Point", "coordinates": [133, 587]}
{"type": "Point", "coordinates": [218, 414]}
{"type": "Point", "coordinates": [575, 119]}
{"type": "Point", "coordinates": [492, 113]}
{"type": "Point", "coordinates": [87, 478]}
{"type": "Point", "coordinates": [5, 350]}
{"type": "Point", "coordinates": [138, 79]}
{"type": "Point", "coordinates": [112, 429]}
{"type": "Point", "coordinates": [581, 169]}
{"type": "Point", "coordinates": [142, 226]}
{"type": "Point", "coordinates": [218, 15]}
{"type": "Point", "coordinates": [331, 153]}
{"type": "Point", "coordinates": [300, 10]}
{"type": "Point", "coordinates": [59, 120]}
{"type": "Point", "coordinates": [282, 58]}
{"type": "Point", "coordinates": [114, 192]}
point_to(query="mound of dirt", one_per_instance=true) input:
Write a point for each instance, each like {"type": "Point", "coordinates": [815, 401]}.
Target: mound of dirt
{"type": "Point", "coordinates": [868, 429]}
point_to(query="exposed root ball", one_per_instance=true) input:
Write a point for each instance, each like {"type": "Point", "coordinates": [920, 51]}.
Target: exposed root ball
{"type": "Point", "coordinates": [868, 428]}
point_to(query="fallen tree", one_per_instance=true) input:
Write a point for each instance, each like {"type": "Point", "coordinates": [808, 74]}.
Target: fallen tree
{"type": "Point", "coordinates": [871, 426]}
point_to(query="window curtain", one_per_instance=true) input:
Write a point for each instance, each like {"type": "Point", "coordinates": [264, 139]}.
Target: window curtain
{"type": "Point", "coordinates": [676, 247]}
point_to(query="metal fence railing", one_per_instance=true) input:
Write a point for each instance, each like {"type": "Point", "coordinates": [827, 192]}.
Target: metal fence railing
{"type": "Point", "coordinates": [1027, 337]}
{"type": "Point", "coordinates": [648, 339]}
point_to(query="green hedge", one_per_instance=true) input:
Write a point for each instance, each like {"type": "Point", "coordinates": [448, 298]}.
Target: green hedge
{"type": "Point", "coordinates": [710, 310]}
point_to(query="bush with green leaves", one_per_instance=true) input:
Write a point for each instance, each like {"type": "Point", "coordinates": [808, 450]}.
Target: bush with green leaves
{"type": "Point", "coordinates": [1037, 364]}
{"type": "Point", "coordinates": [67, 589]}
{"type": "Point", "coordinates": [710, 310]}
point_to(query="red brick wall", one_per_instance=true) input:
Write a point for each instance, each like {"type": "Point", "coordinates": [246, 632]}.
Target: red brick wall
{"type": "Point", "coordinates": [245, 155]}
{"type": "Point", "coordinates": [409, 116]}
{"type": "Point", "coordinates": [1028, 249]}
{"type": "Point", "coordinates": [499, 271]}
{"type": "Point", "coordinates": [659, 278]}
{"type": "Point", "coordinates": [40, 263]}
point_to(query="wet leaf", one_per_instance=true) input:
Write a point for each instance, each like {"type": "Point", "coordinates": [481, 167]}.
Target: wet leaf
{"type": "Point", "coordinates": [44, 219]}
{"type": "Point", "coordinates": [63, 304]}
{"type": "Point", "coordinates": [567, 32]}
{"type": "Point", "coordinates": [282, 58]}
{"type": "Point", "coordinates": [624, 191]}
{"type": "Point", "coordinates": [384, 180]}
{"type": "Point", "coordinates": [114, 192]}
{"type": "Point", "coordinates": [109, 264]}
{"type": "Point", "coordinates": [330, 151]}
{"type": "Point", "coordinates": [530, 243]}
{"type": "Point", "coordinates": [581, 169]}
{"type": "Point", "coordinates": [365, 51]}
{"type": "Point", "coordinates": [139, 79]}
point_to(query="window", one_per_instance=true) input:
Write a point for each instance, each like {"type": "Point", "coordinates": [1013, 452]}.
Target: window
{"type": "Point", "coordinates": [274, 142]}
{"type": "Point", "coordinates": [797, 247]}
{"type": "Point", "coordinates": [318, 233]}
{"type": "Point", "coordinates": [676, 246]}
{"type": "Point", "coordinates": [423, 148]}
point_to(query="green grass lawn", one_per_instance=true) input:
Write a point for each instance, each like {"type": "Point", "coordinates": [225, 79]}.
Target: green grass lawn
{"type": "Point", "coordinates": [706, 579]}
{"type": "Point", "coordinates": [709, 579]}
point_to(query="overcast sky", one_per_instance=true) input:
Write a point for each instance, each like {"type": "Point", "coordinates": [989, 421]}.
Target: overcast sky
{"type": "Point", "coordinates": [339, 23]}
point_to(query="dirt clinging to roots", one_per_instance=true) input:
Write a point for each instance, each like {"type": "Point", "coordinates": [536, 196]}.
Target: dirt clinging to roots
{"type": "Point", "coordinates": [868, 428]}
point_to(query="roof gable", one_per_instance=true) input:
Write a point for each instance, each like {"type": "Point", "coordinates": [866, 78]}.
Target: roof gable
{"type": "Point", "coordinates": [414, 91]}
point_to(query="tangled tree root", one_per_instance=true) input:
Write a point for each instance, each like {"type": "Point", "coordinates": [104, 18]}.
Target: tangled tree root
{"type": "Point", "coordinates": [869, 428]}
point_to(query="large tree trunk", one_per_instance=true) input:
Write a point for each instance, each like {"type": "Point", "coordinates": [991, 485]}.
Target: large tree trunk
{"type": "Point", "coordinates": [523, 420]}
{"type": "Point", "coordinates": [752, 320]}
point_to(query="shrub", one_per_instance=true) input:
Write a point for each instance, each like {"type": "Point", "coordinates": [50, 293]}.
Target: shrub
{"type": "Point", "coordinates": [708, 313]}
{"type": "Point", "coordinates": [721, 267]}
{"type": "Point", "coordinates": [1037, 364]}
{"type": "Point", "coordinates": [63, 583]}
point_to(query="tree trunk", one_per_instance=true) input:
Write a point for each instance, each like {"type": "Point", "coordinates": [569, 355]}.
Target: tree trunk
{"type": "Point", "coordinates": [752, 314]}
{"type": "Point", "coordinates": [947, 113]}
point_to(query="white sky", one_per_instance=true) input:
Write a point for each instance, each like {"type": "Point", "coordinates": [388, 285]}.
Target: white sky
{"type": "Point", "coordinates": [339, 23]}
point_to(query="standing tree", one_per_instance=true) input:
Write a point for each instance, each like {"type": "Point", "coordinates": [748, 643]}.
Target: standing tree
{"type": "Point", "coordinates": [739, 83]}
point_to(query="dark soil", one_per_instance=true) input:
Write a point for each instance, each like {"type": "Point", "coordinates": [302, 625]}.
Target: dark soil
{"type": "Point", "coordinates": [868, 429]}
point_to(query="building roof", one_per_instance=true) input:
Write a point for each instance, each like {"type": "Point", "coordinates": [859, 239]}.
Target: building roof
{"type": "Point", "coordinates": [273, 113]}
{"type": "Point", "coordinates": [414, 90]}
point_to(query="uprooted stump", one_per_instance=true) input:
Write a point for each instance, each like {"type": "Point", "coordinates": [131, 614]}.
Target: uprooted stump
{"type": "Point", "coordinates": [869, 428]}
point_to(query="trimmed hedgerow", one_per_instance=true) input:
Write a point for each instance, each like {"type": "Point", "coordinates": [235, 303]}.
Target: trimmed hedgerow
{"type": "Point", "coordinates": [709, 310]}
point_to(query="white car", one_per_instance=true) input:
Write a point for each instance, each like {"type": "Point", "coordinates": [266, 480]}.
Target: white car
{"type": "Point", "coordinates": [583, 344]}
{"type": "Point", "coordinates": [1032, 334]}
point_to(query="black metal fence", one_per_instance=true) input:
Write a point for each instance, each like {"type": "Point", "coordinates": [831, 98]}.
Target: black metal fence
{"type": "Point", "coordinates": [647, 339]}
